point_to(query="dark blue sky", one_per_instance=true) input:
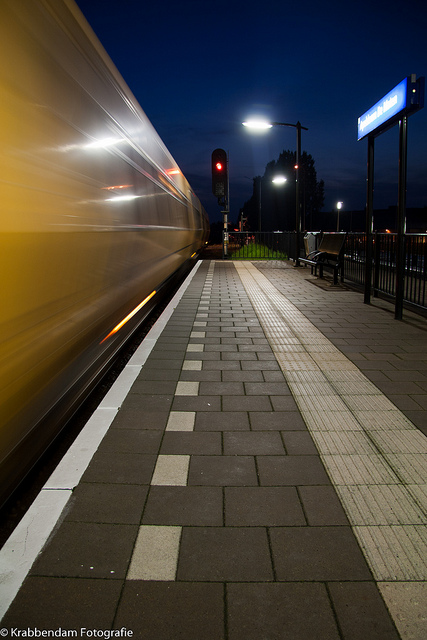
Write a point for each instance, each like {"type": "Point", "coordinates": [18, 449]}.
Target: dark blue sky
{"type": "Point", "coordinates": [198, 69]}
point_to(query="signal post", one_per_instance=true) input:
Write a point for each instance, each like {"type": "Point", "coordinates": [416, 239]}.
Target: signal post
{"type": "Point", "coordinates": [220, 189]}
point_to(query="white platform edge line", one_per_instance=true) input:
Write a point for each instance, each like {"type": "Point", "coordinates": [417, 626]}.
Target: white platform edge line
{"type": "Point", "coordinates": [27, 540]}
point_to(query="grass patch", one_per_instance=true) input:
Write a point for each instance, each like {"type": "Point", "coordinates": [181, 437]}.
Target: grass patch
{"type": "Point", "coordinates": [255, 251]}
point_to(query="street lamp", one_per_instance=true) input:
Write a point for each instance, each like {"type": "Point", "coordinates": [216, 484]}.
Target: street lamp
{"type": "Point", "coordinates": [279, 180]}
{"type": "Point", "coordinates": [339, 207]}
{"type": "Point", "coordinates": [262, 125]}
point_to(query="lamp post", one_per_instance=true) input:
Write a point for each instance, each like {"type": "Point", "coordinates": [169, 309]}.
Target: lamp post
{"type": "Point", "coordinates": [260, 125]}
{"type": "Point", "coordinates": [339, 207]}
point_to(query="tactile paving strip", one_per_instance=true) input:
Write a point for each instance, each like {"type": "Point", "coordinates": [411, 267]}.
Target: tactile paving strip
{"type": "Point", "coordinates": [374, 455]}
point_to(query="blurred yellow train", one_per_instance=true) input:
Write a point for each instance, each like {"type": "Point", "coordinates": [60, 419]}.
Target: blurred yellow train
{"type": "Point", "coordinates": [95, 216]}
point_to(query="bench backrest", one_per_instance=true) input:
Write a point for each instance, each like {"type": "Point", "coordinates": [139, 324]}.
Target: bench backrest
{"type": "Point", "coordinates": [332, 243]}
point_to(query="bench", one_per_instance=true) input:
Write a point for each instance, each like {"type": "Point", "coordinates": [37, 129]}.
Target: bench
{"type": "Point", "coordinates": [330, 254]}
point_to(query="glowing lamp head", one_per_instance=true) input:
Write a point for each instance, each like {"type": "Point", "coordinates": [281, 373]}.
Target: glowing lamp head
{"type": "Point", "coordinates": [257, 124]}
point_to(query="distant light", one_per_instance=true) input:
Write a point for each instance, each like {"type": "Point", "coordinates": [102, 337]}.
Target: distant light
{"type": "Point", "coordinates": [279, 180]}
{"type": "Point", "coordinates": [257, 124]}
{"type": "Point", "coordinates": [218, 166]}
{"type": "Point", "coordinates": [339, 205]}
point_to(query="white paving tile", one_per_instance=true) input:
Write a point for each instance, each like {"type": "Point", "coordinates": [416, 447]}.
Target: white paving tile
{"type": "Point", "coordinates": [184, 388]}
{"type": "Point", "coordinates": [194, 348]}
{"type": "Point", "coordinates": [171, 470]}
{"type": "Point", "coordinates": [155, 555]}
{"type": "Point", "coordinates": [192, 365]}
{"type": "Point", "coordinates": [181, 421]}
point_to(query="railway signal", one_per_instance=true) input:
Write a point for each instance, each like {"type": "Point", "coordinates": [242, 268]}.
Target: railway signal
{"type": "Point", "coordinates": [220, 174]}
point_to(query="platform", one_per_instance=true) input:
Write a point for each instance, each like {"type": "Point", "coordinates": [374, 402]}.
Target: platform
{"type": "Point", "coordinates": [258, 472]}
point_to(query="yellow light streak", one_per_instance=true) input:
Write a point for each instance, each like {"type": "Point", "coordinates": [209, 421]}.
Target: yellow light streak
{"type": "Point", "coordinates": [128, 317]}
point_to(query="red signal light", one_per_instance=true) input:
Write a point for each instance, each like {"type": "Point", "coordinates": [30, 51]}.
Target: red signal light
{"type": "Point", "coordinates": [219, 173]}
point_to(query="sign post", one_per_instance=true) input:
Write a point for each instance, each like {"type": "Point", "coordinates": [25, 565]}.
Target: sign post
{"type": "Point", "coordinates": [395, 107]}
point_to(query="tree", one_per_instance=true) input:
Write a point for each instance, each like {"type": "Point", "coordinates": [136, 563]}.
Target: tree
{"type": "Point", "coordinates": [278, 203]}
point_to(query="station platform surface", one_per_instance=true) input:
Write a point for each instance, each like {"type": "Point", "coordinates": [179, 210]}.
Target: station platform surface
{"type": "Point", "coordinates": [257, 472]}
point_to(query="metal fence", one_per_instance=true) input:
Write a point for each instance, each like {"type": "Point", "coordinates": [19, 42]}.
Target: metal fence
{"type": "Point", "coordinates": [260, 245]}
{"type": "Point", "coordinates": [281, 245]}
{"type": "Point", "coordinates": [384, 265]}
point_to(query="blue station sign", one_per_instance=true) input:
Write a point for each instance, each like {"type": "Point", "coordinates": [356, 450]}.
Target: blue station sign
{"type": "Point", "coordinates": [404, 99]}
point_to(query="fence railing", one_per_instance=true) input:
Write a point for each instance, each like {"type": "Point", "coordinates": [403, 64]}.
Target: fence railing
{"type": "Point", "coordinates": [282, 245]}
{"type": "Point", "coordinates": [260, 245]}
{"type": "Point", "coordinates": [384, 265]}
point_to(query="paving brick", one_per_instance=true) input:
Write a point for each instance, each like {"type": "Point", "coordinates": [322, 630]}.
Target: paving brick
{"type": "Point", "coordinates": [299, 443]}
{"type": "Point", "coordinates": [152, 403]}
{"type": "Point", "coordinates": [276, 611]}
{"type": "Point", "coordinates": [283, 403]}
{"type": "Point", "coordinates": [263, 506]}
{"type": "Point", "coordinates": [267, 388]}
{"type": "Point", "coordinates": [224, 554]}
{"type": "Point", "coordinates": [127, 468]}
{"type": "Point", "coordinates": [317, 553]}
{"type": "Point", "coordinates": [69, 603]}
{"type": "Point", "coordinates": [222, 471]}
{"type": "Point", "coordinates": [361, 612]}
{"type": "Point", "coordinates": [196, 403]}
{"type": "Point", "coordinates": [131, 441]}
{"type": "Point", "coordinates": [242, 376]}
{"type": "Point", "coordinates": [172, 610]}
{"type": "Point", "coordinates": [322, 506]}
{"type": "Point", "coordinates": [246, 403]}
{"type": "Point", "coordinates": [119, 503]}
{"type": "Point", "coordinates": [185, 506]}
{"type": "Point", "coordinates": [137, 419]}
{"type": "Point", "coordinates": [218, 421]}
{"type": "Point", "coordinates": [88, 550]}
{"type": "Point", "coordinates": [253, 443]}
{"type": "Point", "coordinates": [222, 388]}
{"type": "Point", "coordinates": [291, 470]}
{"type": "Point", "coordinates": [191, 443]}
{"type": "Point", "coordinates": [277, 420]}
